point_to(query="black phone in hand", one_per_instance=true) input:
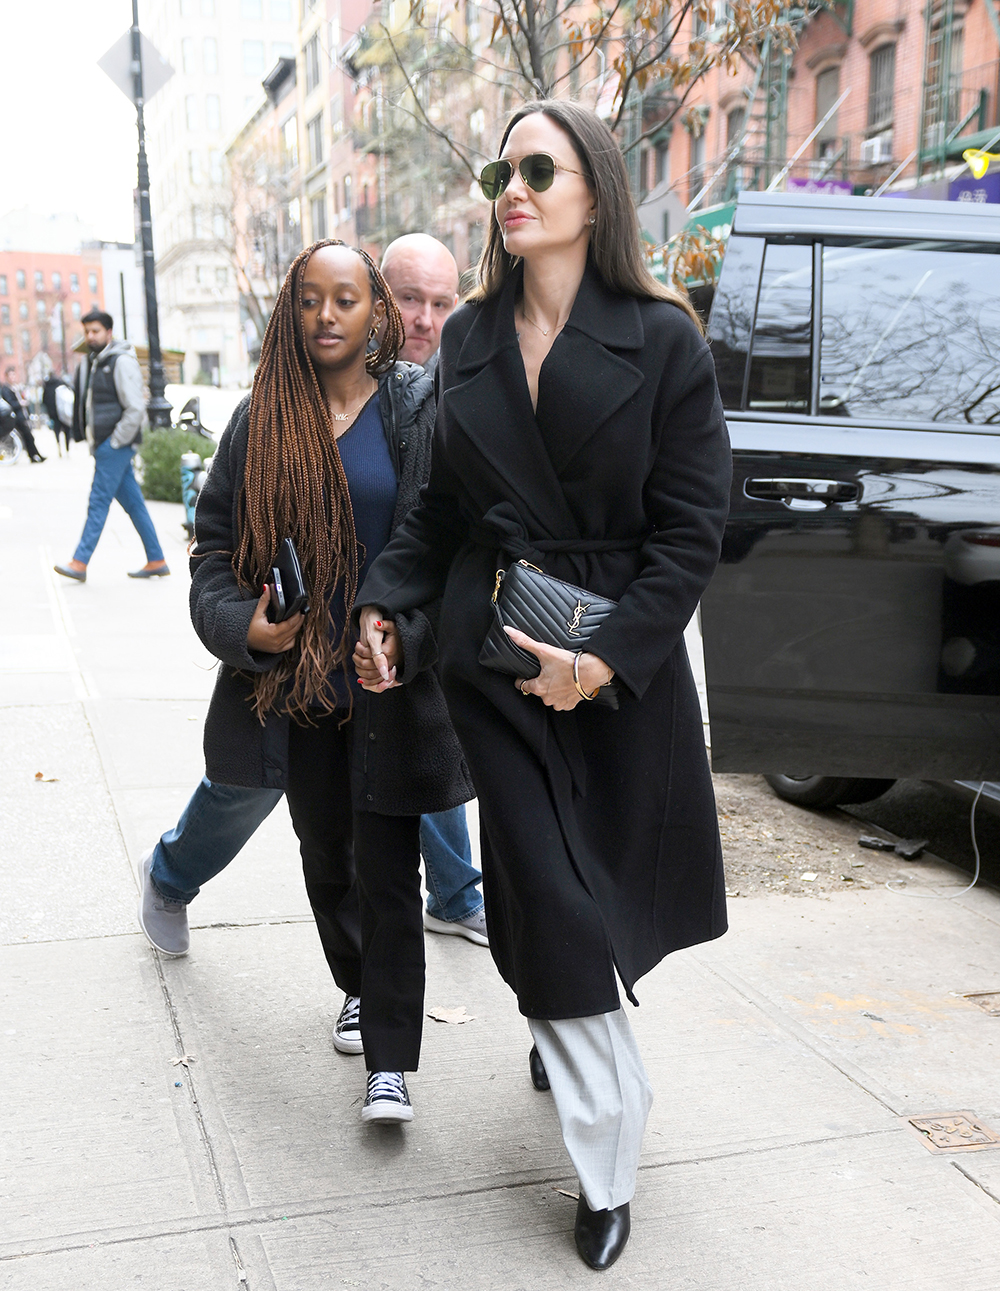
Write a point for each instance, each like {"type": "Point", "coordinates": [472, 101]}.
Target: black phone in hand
{"type": "Point", "coordinates": [287, 586]}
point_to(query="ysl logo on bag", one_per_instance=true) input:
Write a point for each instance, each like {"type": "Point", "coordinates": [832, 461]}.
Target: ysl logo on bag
{"type": "Point", "coordinates": [573, 623]}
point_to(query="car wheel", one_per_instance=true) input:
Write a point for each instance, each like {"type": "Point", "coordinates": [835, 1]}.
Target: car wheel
{"type": "Point", "coordinates": [826, 791]}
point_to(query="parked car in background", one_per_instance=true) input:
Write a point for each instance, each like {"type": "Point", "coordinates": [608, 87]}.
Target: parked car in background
{"type": "Point", "coordinates": [852, 631]}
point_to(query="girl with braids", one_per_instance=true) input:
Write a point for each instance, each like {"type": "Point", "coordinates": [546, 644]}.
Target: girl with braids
{"type": "Point", "coordinates": [330, 450]}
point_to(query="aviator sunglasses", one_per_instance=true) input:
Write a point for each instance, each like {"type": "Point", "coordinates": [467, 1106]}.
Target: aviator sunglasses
{"type": "Point", "coordinates": [537, 169]}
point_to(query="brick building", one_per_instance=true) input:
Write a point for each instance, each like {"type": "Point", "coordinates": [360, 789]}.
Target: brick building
{"type": "Point", "coordinates": [42, 295]}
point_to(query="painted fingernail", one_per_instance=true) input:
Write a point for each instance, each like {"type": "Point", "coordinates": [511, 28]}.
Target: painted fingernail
{"type": "Point", "coordinates": [378, 623]}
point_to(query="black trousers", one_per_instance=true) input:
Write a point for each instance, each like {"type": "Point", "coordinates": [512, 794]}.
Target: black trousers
{"type": "Point", "coordinates": [362, 875]}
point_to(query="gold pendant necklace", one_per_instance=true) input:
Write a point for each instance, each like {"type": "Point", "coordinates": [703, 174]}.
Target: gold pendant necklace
{"type": "Point", "coordinates": [544, 330]}
{"type": "Point", "coordinates": [346, 416]}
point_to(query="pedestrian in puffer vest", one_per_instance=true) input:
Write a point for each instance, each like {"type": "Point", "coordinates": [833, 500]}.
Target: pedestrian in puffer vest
{"type": "Point", "coordinates": [108, 412]}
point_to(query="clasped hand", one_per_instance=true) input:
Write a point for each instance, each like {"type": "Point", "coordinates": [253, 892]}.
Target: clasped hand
{"type": "Point", "coordinates": [378, 652]}
{"type": "Point", "coordinates": [272, 638]}
{"type": "Point", "coordinates": [554, 685]}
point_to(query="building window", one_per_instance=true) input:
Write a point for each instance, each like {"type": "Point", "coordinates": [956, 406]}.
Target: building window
{"type": "Point", "coordinates": [317, 213]}
{"type": "Point", "coordinates": [22, 311]}
{"type": "Point", "coordinates": [8, 345]}
{"type": "Point", "coordinates": [215, 171]}
{"type": "Point", "coordinates": [827, 93]}
{"type": "Point", "coordinates": [210, 55]}
{"type": "Point", "coordinates": [5, 315]}
{"type": "Point", "coordinates": [25, 340]}
{"type": "Point", "coordinates": [253, 58]}
{"type": "Point", "coordinates": [281, 49]}
{"type": "Point", "coordinates": [3, 284]}
{"type": "Point", "coordinates": [20, 279]}
{"type": "Point", "coordinates": [92, 281]}
{"type": "Point", "coordinates": [213, 112]}
{"type": "Point", "coordinates": [735, 122]}
{"type": "Point", "coordinates": [57, 281]}
{"type": "Point", "coordinates": [40, 311]}
{"type": "Point", "coordinates": [222, 277]}
{"type": "Point", "coordinates": [881, 87]}
{"type": "Point", "coordinates": [187, 8]}
{"type": "Point", "coordinates": [314, 135]}
{"type": "Point", "coordinates": [187, 54]}
{"type": "Point", "coordinates": [208, 8]}
{"type": "Point", "coordinates": [251, 9]}
{"type": "Point", "coordinates": [39, 280]}
{"type": "Point", "coordinates": [75, 309]}
{"type": "Point", "coordinates": [191, 111]}
{"type": "Point", "coordinates": [311, 55]}
{"type": "Point", "coordinates": [194, 166]}
{"type": "Point", "coordinates": [348, 195]}
{"type": "Point", "coordinates": [219, 226]}
{"type": "Point", "coordinates": [281, 10]}
{"type": "Point", "coordinates": [290, 143]}
{"type": "Point", "coordinates": [74, 282]}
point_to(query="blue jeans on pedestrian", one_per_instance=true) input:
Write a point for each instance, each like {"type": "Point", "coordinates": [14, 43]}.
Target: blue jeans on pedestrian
{"type": "Point", "coordinates": [219, 820]}
{"type": "Point", "coordinates": [452, 879]}
{"type": "Point", "coordinates": [114, 478]}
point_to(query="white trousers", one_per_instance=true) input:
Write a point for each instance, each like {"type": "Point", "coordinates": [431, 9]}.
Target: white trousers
{"type": "Point", "coordinates": [602, 1096]}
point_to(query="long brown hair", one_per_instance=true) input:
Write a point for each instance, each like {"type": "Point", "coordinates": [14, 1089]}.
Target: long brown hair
{"type": "Point", "coordinates": [615, 243]}
{"type": "Point", "coordinates": [294, 487]}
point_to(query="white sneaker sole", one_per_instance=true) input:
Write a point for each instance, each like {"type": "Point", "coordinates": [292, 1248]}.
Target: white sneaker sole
{"type": "Point", "coordinates": [386, 1111]}
{"type": "Point", "coordinates": [344, 1045]}
{"type": "Point", "coordinates": [454, 930]}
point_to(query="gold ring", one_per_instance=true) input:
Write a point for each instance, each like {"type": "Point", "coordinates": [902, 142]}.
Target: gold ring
{"type": "Point", "coordinates": [520, 685]}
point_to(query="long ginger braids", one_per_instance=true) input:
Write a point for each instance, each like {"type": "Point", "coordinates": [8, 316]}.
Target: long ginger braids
{"type": "Point", "coordinates": [294, 487]}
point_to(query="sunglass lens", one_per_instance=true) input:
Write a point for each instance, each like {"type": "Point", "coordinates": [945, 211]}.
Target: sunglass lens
{"type": "Point", "coordinates": [494, 178]}
{"type": "Point", "coordinates": [538, 171]}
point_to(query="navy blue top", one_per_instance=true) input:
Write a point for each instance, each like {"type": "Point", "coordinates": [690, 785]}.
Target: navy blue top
{"type": "Point", "coordinates": [372, 485]}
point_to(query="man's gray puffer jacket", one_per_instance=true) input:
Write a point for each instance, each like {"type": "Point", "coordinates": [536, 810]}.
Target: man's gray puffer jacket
{"type": "Point", "coordinates": [406, 758]}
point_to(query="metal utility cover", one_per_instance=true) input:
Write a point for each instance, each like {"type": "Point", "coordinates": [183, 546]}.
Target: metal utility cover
{"type": "Point", "coordinates": [953, 1132]}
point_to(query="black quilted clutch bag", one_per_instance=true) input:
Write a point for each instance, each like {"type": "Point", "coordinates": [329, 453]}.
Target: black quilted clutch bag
{"type": "Point", "coordinates": [546, 609]}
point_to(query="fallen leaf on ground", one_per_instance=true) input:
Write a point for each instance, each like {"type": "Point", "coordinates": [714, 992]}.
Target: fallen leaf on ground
{"type": "Point", "coordinates": [45, 779]}
{"type": "Point", "coordinates": [455, 1016]}
{"type": "Point", "coordinates": [183, 1060]}
{"type": "Point", "coordinates": [573, 1196]}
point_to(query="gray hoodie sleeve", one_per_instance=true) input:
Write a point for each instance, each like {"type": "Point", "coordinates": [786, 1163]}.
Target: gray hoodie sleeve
{"type": "Point", "coordinates": [128, 385]}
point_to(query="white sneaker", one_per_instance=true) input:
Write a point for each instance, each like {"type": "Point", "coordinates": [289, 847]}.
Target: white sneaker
{"type": "Point", "coordinates": [472, 927]}
{"type": "Point", "coordinates": [387, 1099]}
{"type": "Point", "coordinates": [347, 1031]}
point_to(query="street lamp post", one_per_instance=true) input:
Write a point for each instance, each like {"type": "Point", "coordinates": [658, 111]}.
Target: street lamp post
{"type": "Point", "coordinates": [158, 407]}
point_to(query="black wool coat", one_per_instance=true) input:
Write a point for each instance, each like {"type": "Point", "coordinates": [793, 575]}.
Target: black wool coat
{"type": "Point", "coordinates": [406, 760]}
{"type": "Point", "coordinates": [600, 839]}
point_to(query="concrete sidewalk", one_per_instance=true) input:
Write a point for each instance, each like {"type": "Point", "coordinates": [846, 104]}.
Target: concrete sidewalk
{"type": "Point", "coordinates": [187, 1125]}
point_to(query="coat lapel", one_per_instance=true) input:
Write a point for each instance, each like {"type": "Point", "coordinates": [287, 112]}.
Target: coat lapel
{"type": "Point", "coordinates": [584, 380]}
{"type": "Point", "coordinates": [493, 407]}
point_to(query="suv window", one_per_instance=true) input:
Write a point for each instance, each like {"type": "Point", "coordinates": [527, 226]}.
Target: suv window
{"type": "Point", "coordinates": [781, 350]}
{"type": "Point", "coordinates": [732, 316]}
{"type": "Point", "coordinates": [911, 333]}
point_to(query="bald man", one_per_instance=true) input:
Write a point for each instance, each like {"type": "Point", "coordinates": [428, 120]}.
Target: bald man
{"type": "Point", "coordinates": [423, 276]}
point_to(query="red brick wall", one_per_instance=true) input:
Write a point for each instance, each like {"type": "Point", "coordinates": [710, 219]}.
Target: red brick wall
{"type": "Point", "coordinates": [21, 340]}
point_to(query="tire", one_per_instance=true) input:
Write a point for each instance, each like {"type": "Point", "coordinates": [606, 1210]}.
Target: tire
{"type": "Point", "coordinates": [826, 791]}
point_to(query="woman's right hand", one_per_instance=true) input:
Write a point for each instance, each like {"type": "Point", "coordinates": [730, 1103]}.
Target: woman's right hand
{"type": "Point", "coordinates": [272, 638]}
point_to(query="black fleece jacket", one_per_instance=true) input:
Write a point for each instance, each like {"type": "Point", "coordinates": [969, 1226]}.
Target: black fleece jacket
{"type": "Point", "coordinates": [406, 758]}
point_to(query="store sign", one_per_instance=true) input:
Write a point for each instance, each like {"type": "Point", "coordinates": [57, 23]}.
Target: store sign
{"type": "Point", "coordinates": [816, 187]}
{"type": "Point", "coordinates": [968, 189]}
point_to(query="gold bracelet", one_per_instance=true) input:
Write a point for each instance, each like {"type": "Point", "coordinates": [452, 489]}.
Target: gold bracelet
{"type": "Point", "coordinates": [576, 678]}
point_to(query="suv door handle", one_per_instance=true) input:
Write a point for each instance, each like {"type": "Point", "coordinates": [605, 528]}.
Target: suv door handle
{"type": "Point", "coordinates": [814, 492]}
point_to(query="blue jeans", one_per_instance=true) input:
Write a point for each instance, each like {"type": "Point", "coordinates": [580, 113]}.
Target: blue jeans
{"type": "Point", "coordinates": [114, 478]}
{"type": "Point", "coordinates": [219, 820]}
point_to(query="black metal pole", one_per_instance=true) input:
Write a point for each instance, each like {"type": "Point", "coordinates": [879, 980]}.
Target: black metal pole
{"type": "Point", "coordinates": [158, 408]}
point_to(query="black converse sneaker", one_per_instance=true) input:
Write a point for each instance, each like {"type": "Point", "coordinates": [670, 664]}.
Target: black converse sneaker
{"type": "Point", "coordinates": [387, 1099]}
{"type": "Point", "coordinates": [347, 1032]}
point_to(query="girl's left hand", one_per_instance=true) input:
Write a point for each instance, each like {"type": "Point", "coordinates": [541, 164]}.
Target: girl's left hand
{"type": "Point", "coordinates": [554, 685]}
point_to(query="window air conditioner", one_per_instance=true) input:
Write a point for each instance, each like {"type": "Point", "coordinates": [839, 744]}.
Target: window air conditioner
{"type": "Point", "coordinates": [876, 150]}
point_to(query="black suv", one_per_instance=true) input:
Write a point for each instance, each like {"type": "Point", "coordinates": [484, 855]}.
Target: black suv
{"type": "Point", "coordinates": [852, 631]}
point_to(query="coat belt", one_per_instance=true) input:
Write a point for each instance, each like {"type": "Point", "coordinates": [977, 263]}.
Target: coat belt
{"type": "Point", "coordinates": [501, 527]}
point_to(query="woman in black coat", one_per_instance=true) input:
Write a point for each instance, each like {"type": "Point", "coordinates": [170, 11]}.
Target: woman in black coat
{"type": "Point", "coordinates": [331, 450]}
{"type": "Point", "coordinates": [579, 427]}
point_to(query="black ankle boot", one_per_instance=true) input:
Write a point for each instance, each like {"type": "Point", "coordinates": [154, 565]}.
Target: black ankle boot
{"type": "Point", "coordinates": [537, 1068]}
{"type": "Point", "coordinates": [601, 1234]}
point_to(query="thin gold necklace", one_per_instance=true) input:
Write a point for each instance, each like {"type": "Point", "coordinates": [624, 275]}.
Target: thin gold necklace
{"type": "Point", "coordinates": [346, 416]}
{"type": "Point", "coordinates": [538, 328]}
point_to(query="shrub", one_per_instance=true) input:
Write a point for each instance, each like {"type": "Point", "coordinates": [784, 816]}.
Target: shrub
{"type": "Point", "coordinates": [160, 469]}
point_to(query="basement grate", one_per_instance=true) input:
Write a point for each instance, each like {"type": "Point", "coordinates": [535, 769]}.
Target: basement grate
{"type": "Point", "coordinates": [988, 1001]}
{"type": "Point", "coordinates": [954, 1132]}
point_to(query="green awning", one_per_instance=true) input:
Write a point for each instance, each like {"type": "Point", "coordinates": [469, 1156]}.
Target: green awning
{"type": "Point", "coordinates": [718, 220]}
